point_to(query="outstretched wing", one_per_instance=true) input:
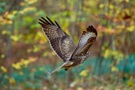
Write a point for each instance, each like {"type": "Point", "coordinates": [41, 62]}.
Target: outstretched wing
{"type": "Point", "coordinates": [86, 40]}
{"type": "Point", "coordinates": [61, 43]}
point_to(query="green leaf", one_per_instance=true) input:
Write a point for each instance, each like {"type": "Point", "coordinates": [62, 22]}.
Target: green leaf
{"type": "Point", "coordinates": [1, 9]}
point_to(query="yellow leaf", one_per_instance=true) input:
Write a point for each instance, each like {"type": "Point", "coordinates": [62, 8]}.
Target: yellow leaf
{"type": "Point", "coordinates": [131, 28]}
{"type": "Point", "coordinates": [5, 32]}
{"type": "Point", "coordinates": [114, 69]}
{"type": "Point", "coordinates": [25, 62]}
{"type": "Point", "coordinates": [30, 1]}
{"type": "Point", "coordinates": [3, 69]}
{"type": "Point", "coordinates": [10, 16]}
{"type": "Point", "coordinates": [84, 73]}
{"type": "Point", "coordinates": [127, 0]}
{"type": "Point", "coordinates": [28, 9]}
{"type": "Point", "coordinates": [2, 56]}
{"type": "Point", "coordinates": [79, 88]}
{"type": "Point", "coordinates": [39, 37]}
{"type": "Point", "coordinates": [12, 80]}
{"type": "Point", "coordinates": [111, 6]}
{"type": "Point", "coordinates": [107, 52]}
{"type": "Point", "coordinates": [116, 54]}
{"type": "Point", "coordinates": [101, 5]}
{"type": "Point", "coordinates": [16, 66]}
{"type": "Point", "coordinates": [45, 54]}
{"type": "Point", "coordinates": [130, 83]}
{"type": "Point", "coordinates": [15, 38]}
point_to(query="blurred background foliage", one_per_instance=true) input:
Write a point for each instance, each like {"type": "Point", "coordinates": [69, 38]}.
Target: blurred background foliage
{"type": "Point", "coordinates": [26, 57]}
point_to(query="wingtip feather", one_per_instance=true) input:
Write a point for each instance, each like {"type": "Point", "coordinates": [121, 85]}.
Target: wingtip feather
{"type": "Point", "coordinates": [48, 21]}
{"type": "Point", "coordinates": [91, 29]}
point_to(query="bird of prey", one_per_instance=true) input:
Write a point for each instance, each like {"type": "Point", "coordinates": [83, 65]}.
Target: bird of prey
{"type": "Point", "coordinates": [64, 46]}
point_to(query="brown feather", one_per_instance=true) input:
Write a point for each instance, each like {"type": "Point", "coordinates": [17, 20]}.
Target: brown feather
{"type": "Point", "coordinates": [56, 37]}
{"type": "Point", "coordinates": [83, 47]}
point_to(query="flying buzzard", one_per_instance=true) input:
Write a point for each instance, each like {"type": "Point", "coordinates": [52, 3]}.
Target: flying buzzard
{"type": "Point", "coordinates": [64, 46]}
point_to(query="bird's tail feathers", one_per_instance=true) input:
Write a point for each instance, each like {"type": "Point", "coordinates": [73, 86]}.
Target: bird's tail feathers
{"type": "Point", "coordinates": [64, 64]}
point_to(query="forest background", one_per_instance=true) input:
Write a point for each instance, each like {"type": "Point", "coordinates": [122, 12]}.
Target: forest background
{"type": "Point", "coordinates": [26, 56]}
